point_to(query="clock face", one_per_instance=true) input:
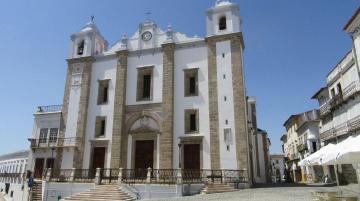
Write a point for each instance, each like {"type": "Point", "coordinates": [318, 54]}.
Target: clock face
{"type": "Point", "coordinates": [146, 36]}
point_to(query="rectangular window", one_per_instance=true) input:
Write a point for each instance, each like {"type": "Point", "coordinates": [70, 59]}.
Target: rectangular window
{"type": "Point", "coordinates": [339, 88]}
{"type": "Point", "coordinates": [100, 126]}
{"type": "Point", "coordinates": [191, 121]}
{"type": "Point", "coordinates": [144, 83]}
{"type": "Point", "coordinates": [191, 82]}
{"type": "Point", "coordinates": [146, 86]}
{"type": "Point", "coordinates": [103, 91]}
{"type": "Point", "coordinates": [53, 135]}
{"type": "Point", "coordinates": [332, 92]}
{"type": "Point", "coordinates": [43, 135]}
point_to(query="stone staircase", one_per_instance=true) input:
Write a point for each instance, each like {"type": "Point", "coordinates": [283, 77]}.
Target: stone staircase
{"type": "Point", "coordinates": [36, 192]}
{"type": "Point", "coordinates": [217, 188]}
{"type": "Point", "coordinates": [101, 193]}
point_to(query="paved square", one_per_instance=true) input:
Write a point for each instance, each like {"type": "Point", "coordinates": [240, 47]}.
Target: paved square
{"type": "Point", "coordinates": [271, 193]}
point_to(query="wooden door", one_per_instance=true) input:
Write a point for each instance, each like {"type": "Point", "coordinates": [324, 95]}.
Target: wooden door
{"type": "Point", "coordinates": [98, 160]}
{"type": "Point", "coordinates": [144, 154]}
{"type": "Point", "coordinates": [39, 168]}
{"type": "Point", "coordinates": [191, 156]}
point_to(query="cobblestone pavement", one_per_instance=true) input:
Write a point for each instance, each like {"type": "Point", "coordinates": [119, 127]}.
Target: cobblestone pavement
{"type": "Point", "coordinates": [270, 193]}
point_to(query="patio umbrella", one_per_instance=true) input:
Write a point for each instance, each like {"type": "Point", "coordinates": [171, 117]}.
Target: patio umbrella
{"type": "Point", "coordinates": [316, 158]}
{"type": "Point", "coordinates": [349, 151]}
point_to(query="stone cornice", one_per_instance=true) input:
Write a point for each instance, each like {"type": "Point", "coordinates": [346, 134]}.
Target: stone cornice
{"type": "Point", "coordinates": [168, 46]}
{"type": "Point", "coordinates": [230, 36]}
{"type": "Point", "coordinates": [81, 59]}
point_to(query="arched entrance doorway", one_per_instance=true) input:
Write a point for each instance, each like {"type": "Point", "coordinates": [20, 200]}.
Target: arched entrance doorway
{"type": "Point", "coordinates": [143, 144]}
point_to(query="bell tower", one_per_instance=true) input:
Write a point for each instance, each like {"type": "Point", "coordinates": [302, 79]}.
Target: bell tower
{"type": "Point", "coordinates": [87, 42]}
{"type": "Point", "coordinates": [223, 18]}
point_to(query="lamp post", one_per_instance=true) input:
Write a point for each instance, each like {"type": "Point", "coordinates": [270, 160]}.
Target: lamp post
{"type": "Point", "coordinates": [179, 155]}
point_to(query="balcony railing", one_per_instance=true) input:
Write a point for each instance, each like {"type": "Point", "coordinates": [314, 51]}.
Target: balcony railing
{"type": "Point", "coordinates": [53, 142]}
{"type": "Point", "coordinates": [342, 129]}
{"type": "Point", "coordinates": [325, 108]}
{"type": "Point", "coordinates": [308, 116]}
{"type": "Point", "coordinates": [157, 176]}
{"type": "Point", "coordinates": [302, 147]}
{"type": "Point", "coordinates": [348, 91]}
{"type": "Point", "coordinates": [351, 89]}
{"type": "Point", "coordinates": [49, 108]}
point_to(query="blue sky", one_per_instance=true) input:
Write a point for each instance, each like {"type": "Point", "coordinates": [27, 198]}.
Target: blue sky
{"type": "Point", "coordinates": [290, 47]}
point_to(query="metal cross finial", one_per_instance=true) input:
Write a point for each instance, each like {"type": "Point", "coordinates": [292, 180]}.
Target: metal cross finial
{"type": "Point", "coordinates": [92, 18]}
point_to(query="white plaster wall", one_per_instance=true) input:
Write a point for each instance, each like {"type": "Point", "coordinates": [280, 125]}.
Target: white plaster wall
{"type": "Point", "coordinates": [19, 194]}
{"type": "Point", "coordinates": [48, 120]}
{"type": "Point", "coordinates": [226, 108]}
{"type": "Point", "coordinates": [143, 60]}
{"type": "Point", "coordinates": [53, 190]}
{"type": "Point", "coordinates": [102, 69]}
{"type": "Point", "coordinates": [67, 160]}
{"type": "Point", "coordinates": [262, 178]}
{"type": "Point", "coordinates": [357, 46]}
{"type": "Point", "coordinates": [73, 111]}
{"type": "Point", "coordinates": [187, 58]}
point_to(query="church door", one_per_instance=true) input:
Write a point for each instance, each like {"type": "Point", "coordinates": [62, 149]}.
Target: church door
{"type": "Point", "coordinates": [98, 157]}
{"type": "Point", "coordinates": [144, 154]}
{"type": "Point", "coordinates": [191, 156]}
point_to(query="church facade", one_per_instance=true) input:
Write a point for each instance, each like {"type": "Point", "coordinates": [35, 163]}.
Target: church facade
{"type": "Point", "coordinates": [158, 99]}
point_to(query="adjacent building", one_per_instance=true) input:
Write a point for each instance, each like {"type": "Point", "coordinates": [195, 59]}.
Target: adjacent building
{"type": "Point", "coordinates": [158, 99]}
{"type": "Point", "coordinates": [277, 168]}
{"type": "Point", "coordinates": [339, 101]}
{"type": "Point", "coordinates": [302, 139]}
{"type": "Point", "coordinates": [13, 168]}
{"type": "Point", "coordinates": [259, 147]}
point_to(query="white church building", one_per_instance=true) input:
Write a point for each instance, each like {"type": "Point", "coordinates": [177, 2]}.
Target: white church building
{"type": "Point", "coordinates": [158, 99]}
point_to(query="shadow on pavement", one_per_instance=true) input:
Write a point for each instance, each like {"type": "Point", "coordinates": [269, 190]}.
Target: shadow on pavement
{"type": "Point", "coordinates": [283, 185]}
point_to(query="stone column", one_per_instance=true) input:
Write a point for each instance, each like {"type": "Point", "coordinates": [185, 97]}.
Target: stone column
{"type": "Point", "coordinates": [119, 107]}
{"type": "Point", "coordinates": [238, 81]}
{"type": "Point", "coordinates": [179, 177]}
{"type": "Point", "coordinates": [148, 176]}
{"type": "Point", "coordinates": [97, 176]}
{"type": "Point", "coordinates": [213, 104]}
{"type": "Point", "coordinates": [120, 176]}
{"type": "Point", "coordinates": [83, 109]}
{"type": "Point", "coordinates": [72, 175]}
{"type": "Point", "coordinates": [166, 139]}
{"type": "Point", "coordinates": [48, 174]}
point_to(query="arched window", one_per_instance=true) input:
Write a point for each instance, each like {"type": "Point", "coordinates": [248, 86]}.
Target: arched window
{"type": "Point", "coordinates": [222, 23]}
{"type": "Point", "coordinates": [81, 47]}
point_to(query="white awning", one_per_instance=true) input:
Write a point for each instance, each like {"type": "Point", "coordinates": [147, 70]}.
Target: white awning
{"type": "Point", "coordinates": [346, 152]}
{"type": "Point", "coordinates": [316, 158]}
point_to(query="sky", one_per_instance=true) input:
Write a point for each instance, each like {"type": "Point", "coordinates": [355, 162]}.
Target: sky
{"type": "Point", "coordinates": [290, 46]}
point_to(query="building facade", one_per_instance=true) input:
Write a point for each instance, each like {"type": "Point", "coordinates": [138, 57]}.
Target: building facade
{"type": "Point", "coordinates": [158, 99]}
{"type": "Point", "coordinates": [259, 147]}
{"type": "Point", "coordinates": [13, 168]}
{"type": "Point", "coordinates": [301, 140]}
{"type": "Point", "coordinates": [277, 168]}
{"type": "Point", "coordinates": [339, 102]}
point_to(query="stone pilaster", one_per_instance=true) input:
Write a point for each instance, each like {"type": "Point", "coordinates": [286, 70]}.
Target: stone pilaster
{"type": "Point", "coordinates": [241, 133]}
{"type": "Point", "coordinates": [83, 109]}
{"type": "Point", "coordinates": [119, 107]}
{"type": "Point", "coordinates": [213, 104]}
{"type": "Point", "coordinates": [166, 140]}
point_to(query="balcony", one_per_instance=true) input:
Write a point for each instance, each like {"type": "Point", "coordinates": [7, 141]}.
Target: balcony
{"type": "Point", "coordinates": [49, 109]}
{"type": "Point", "coordinates": [312, 115]}
{"type": "Point", "coordinates": [348, 92]}
{"type": "Point", "coordinates": [44, 143]}
{"type": "Point", "coordinates": [342, 129]}
{"type": "Point", "coordinates": [302, 147]}
{"type": "Point", "coordinates": [295, 156]}
{"type": "Point", "coordinates": [351, 89]}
